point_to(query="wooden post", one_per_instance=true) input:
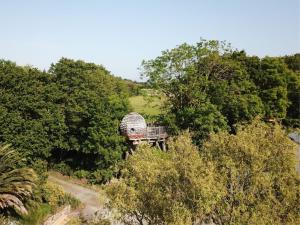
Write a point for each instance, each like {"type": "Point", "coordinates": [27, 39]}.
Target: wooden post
{"type": "Point", "coordinates": [163, 146]}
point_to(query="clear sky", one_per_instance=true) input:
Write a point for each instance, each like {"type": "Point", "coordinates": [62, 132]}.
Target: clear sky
{"type": "Point", "coordinates": [120, 34]}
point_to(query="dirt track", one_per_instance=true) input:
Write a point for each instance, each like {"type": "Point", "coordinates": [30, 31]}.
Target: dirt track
{"type": "Point", "coordinates": [88, 197]}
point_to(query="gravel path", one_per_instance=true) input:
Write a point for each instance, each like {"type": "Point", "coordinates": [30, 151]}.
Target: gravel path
{"type": "Point", "coordinates": [88, 197]}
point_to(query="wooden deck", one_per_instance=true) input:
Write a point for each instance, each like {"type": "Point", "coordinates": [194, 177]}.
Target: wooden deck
{"type": "Point", "coordinates": [156, 133]}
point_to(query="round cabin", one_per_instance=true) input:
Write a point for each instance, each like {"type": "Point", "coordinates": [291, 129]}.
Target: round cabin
{"type": "Point", "coordinates": [133, 126]}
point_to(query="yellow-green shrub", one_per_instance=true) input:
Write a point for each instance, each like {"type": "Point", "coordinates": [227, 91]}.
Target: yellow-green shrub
{"type": "Point", "coordinates": [53, 195]}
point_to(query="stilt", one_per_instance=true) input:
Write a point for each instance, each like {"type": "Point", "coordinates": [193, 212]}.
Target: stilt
{"type": "Point", "coordinates": [163, 146]}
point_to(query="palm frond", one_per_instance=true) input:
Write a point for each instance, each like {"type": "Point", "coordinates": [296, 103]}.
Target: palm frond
{"type": "Point", "coordinates": [16, 184]}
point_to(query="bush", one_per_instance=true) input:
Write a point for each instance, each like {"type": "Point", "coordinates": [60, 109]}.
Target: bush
{"type": "Point", "coordinates": [41, 168]}
{"type": "Point", "coordinates": [69, 199]}
{"type": "Point", "coordinates": [93, 221]}
{"type": "Point", "coordinates": [81, 174]}
{"type": "Point", "coordinates": [101, 176]}
{"type": "Point", "coordinates": [63, 168]}
{"type": "Point", "coordinates": [53, 195]}
{"type": "Point", "coordinates": [56, 197]}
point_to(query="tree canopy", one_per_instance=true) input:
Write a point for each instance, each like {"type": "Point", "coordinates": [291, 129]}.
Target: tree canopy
{"type": "Point", "coordinates": [257, 166]}
{"type": "Point", "coordinates": [210, 87]}
{"type": "Point", "coordinates": [173, 187]}
{"type": "Point", "coordinates": [246, 178]}
{"type": "Point", "coordinates": [69, 114]}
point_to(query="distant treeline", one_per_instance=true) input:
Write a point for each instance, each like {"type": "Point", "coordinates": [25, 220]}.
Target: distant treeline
{"type": "Point", "coordinates": [67, 116]}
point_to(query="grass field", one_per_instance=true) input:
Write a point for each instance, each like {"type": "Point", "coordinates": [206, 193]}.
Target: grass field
{"type": "Point", "coordinates": [150, 105]}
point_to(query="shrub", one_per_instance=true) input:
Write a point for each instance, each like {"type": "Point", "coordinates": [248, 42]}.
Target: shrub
{"type": "Point", "coordinates": [53, 195]}
{"type": "Point", "coordinates": [101, 176]}
{"type": "Point", "coordinates": [41, 168]}
{"type": "Point", "coordinates": [56, 197]}
{"type": "Point", "coordinates": [81, 174]}
{"type": "Point", "coordinates": [64, 168]}
{"type": "Point", "coordinates": [69, 199]}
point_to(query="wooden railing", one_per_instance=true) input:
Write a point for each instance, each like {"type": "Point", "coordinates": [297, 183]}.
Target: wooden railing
{"type": "Point", "coordinates": [156, 132]}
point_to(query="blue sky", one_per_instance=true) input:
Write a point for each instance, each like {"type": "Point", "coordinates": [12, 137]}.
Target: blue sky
{"type": "Point", "coordinates": [120, 34]}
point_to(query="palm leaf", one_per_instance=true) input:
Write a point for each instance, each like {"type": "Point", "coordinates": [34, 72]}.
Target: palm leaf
{"type": "Point", "coordinates": [16, 184]}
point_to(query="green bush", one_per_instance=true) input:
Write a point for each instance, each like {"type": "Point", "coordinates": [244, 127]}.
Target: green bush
{"type": "Point", "coordinates": [53, 195]}
{"type": "Point", "coordinates": [41, 167]}
{"type": "Point", "coordinates": [56, 197]}
{"type": "Point", "coordinates": [64, 168]}
{"type": "Point", "coordinates": [93, 221]}
{"type": "Point", "coordinates": [101, 176]}
{"type": "Point", "coordinates": [81, 174]}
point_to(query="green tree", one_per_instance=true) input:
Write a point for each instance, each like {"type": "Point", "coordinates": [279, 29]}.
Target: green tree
{"type": "Point", "coordinates": [16, 184]}
{"type": "Point", "coordinates": [293, 62]}
{"type": "Point", "coordinates": [93, 103]}
{"type": "Point", "coordinates": [293, 111]}
{"type": "Point", "coordinates": [29, 117]}
{"type": "Point", "coordinates": [278, 83]}
{"type": "Point", "coordinates": [207, 89]}
{"type": "Point", "coordinates": [271, 79]}
{"type": "Point", "coordinates": [258, 168]}
{"type": "Point", "coordinates": [173, 187]}
{"type": "Point", "coordinates": [69, 114]}
{"type": "Point", "coordinates": [246, 178]}
{"type": "Point", "coordinates": [234, 87]}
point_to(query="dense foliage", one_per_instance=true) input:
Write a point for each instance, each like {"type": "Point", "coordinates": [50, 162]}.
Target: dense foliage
{"type": "Point", "coordinates": [247, 178]}
{"type": "Point", "coordinates": [16, 184]}
{"type": "Point", "coordinates": [210, 87]}
{"type": "Point", "coordinates": [68, 118]}
{"type": "Point", "coordinates": [258, 168]}
{"type": "Point", "coordinates": [173, 187]}
{"type": "Point", "coordinates": [68, 115]}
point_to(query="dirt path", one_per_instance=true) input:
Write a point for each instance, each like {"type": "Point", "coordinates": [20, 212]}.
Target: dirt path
{"type": "Point", "coordinates": [90, 198]}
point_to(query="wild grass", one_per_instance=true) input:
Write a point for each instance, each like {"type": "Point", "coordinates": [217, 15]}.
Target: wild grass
{"type": "Point", "coordinates": [147, 104]}
{"type": "Point", "coordinates": [36, 215]}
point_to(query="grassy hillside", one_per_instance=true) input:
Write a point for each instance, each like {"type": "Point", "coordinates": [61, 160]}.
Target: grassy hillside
{"type": "Point", "coordinates": [148, 103]}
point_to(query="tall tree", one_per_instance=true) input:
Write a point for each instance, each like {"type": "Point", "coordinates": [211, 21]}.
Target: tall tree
{"type": "Point", "coordinates": [211, 87]}
{"type": "Point", "coordinates": [30, 118]}
{"type": "Point", "coordinates": [293, 111]}
{"type": "Point", "coordinates": [207, 89]}
{"type": "Point", "coordinates": [69, 114]}
{"type": "Point", "coordinates": [93, 104]}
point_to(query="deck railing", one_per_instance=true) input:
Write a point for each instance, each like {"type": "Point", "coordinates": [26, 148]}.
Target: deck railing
{"type": "Point", "coordinates": [156, 132]}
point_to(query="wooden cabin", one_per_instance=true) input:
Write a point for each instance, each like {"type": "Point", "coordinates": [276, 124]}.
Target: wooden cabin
{"type": "Point", "coordinates": [134, 128]}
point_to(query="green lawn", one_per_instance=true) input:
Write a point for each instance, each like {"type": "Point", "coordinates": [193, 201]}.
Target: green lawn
{"type": "Point", "coordinates": [142, 104]}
